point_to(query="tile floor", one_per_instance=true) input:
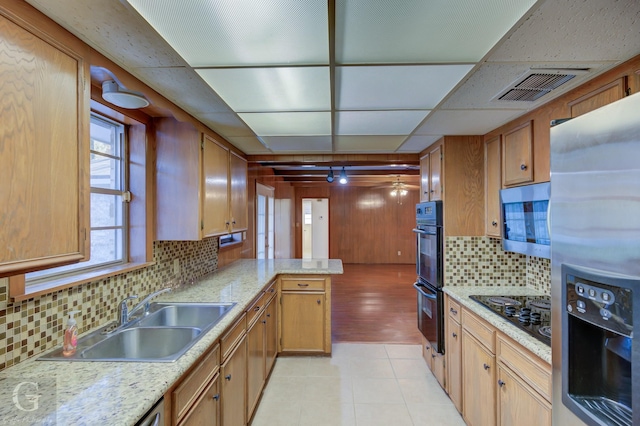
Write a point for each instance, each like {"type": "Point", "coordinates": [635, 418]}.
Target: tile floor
{"type": "Point", "coordinates": [361, 384]}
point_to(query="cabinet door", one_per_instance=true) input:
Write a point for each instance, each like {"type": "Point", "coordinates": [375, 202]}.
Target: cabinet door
{"type": "Point", "coordinates": [598, 98]}
{"type": "Point", "coordinates": [255, 362]}
{"type": "Point", "coordinates": [424, 178]}
{"type": "Point", "coordinates": [44, 158]}
{"type": "Point", "coordinates": [234, 382]}
{"type": "Point", "coordinates": [215, 167]}
{"type": "Point", "coordinates": [493, 183]}
{"type": "Point", "coordinates": [206, 410]}
{"type": "Point", "coordinates": [438, 368]}
{"type": "Point", "coordinates": [238, 192]}
{"type": "Point", "coordinates": [518, 403]}
{"type": "Point", "coordinates": [435, 173]}
{"type": "Point", "coordinates": [454, 364]}
{"type": "Point", "coordinates": [271, 336]}
{"type": "Point", "coordinates": [302, 322]}
{"type": "Point", "coordinates": [517, 158]}
{"type": "Point", "coordinates": [478, 376]}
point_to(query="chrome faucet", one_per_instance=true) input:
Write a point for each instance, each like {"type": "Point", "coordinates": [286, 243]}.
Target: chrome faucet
{"type": "Point", "coordinates": [144, 304]}
{"type": "Point", "coordinates": [124, 314]}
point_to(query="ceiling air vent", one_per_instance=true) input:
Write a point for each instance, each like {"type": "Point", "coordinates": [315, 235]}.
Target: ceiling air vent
{"type": "Point", "coordinates": [536, 83]}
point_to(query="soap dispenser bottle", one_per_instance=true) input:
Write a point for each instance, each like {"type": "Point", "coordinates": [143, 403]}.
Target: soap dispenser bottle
{"type": "Point", "coordinates": [70, 341]}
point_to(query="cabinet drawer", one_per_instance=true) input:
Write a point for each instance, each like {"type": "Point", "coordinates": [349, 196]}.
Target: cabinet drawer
{"type": "Point", "coordinates": [195, 382]}
{"type": "Point", "coordinates": [302, 284]}
{"type": "Point", "coordinates": [233, 336]}
{"type": "Point", "coordinates": [270, 291]}
{"type": "Point", "coordinates": [254, 311]}
{"type": "Point", "coordinates": [529, 367]}
{"type": "Point", "coordinates": [479, 329]}
{"type": "Point", "coordinates": [453, 309]}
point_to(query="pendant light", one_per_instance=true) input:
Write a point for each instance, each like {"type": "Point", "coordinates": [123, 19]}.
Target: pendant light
{"type": "Point", "coordinates": [330, 175]}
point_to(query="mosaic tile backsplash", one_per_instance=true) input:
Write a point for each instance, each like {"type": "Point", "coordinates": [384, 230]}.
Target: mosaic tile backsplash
{"type": "Point", "coordinates": [480, 261]}
{"type": "Point", "coordinates": [31, 327]}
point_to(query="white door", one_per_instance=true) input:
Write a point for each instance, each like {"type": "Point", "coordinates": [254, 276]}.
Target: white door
{"type": "Point", "coordinates": [264, 221]}
{"type": "Point", "coordinates": [315, 228]}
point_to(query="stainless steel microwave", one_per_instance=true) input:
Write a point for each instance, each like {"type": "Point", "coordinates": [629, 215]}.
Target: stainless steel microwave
{"type": "Point", "coordinates": [524, 211]}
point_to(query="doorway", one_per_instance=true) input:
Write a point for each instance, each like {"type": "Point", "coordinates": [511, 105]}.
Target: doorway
{"type": "Point", "coordinates": [265, 219]}
{"type": "Point", "coordinates": [315, 228]}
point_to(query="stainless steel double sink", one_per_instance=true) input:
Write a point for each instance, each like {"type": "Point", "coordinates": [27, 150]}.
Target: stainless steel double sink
{"type": "Point", "coordinates": [164, 334]}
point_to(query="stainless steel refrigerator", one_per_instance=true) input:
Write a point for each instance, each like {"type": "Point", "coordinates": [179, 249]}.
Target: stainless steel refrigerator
{"type": "Point", "coordinates": [595, 266]}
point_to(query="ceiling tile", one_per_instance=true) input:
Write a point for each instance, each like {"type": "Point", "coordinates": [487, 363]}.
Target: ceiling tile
{"type": "Point", "coordinates": [288, 123]}
{"type": "Point", "coordinates": [249, 145]}
{"type": "Point", "coordinates": [569, 30]}
{"type": "Point", "coordinates": [378, 122]}
{"type": "Point", "coordinates": [231, 32]}
{"type": "Point", "coordinates": [396, 87]}
{"type": "Point", "coordinates": [298, 143]}
{"type": "Point", "coordinates": [465, 122]}
{"type": "Point", "coordinates": [368, 144]}
{"type": "Point", "coordinates": [418, 143]}
{"type": "Point", "coordinates": [271, 89]}
{"type": "Point", "coordinates": [418, 31]}
{"type": "Point", "coordinates": [226, 125]}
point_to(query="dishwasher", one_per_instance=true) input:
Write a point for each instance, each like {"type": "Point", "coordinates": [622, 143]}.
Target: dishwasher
{"type": "Point", "coordinates": [155, 417]}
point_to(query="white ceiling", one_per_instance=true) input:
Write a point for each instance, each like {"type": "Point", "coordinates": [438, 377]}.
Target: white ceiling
{"type": "Point", "coordinates": [350, 76]}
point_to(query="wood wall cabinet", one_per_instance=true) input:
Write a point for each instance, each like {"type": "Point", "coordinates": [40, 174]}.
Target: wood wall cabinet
{"type": "Point", "coordinates": [599, 97]}
{"type": "Point", "coordinates": [197, 397]}
{"type": "Point", "coordinates": [258, 335]}
{"type": "Point", "coordinates": [431, 184]}
{"type": "Point", "coordinates": [493, 184]}
{"type": "Point", "coordinates": [305, 314]}
{"type": "Point", "coordinates": [458, 162]}
{"type": "Point", "coordinates": [453, 351]}
{"type": "Point", "coordinates": [44, 153]}
{"type": "Point", "coordinates": [517, 155]}
{"type": "Point", "coordinates": [424, 178]}
{"type": "Point", "coordinates": [201, 186]}
{"type": "Point", "coordinates": [478, 371]}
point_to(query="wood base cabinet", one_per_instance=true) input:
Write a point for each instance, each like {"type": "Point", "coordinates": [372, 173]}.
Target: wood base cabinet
{"type": "Point", "coordinates": [305, 314]}
{"type": "Point", "coordinates": [478, 375]}
{"type": "Point", "coordinates": [518, 403]}
{"type": "Point", "coordinates": [206, 410]}
{"type": "Point", "coordinates": [453, 351]}
{"type": "Point", "coordinates": [233, 375]}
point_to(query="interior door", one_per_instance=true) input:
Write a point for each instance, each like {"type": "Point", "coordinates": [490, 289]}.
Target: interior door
{"type": "Point", "coordinates": [265, 222]}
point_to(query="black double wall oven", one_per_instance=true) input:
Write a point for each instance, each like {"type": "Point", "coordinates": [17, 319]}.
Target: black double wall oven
{"type": "Point", "coordinates": [429, 268]}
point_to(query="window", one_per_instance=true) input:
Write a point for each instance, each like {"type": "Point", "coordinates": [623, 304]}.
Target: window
{"type": "Point", "coordinates": [109, 207]}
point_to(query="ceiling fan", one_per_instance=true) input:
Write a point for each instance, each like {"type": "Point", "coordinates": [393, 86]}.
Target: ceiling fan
{"type": "Point", "coordinates": [399, 189]}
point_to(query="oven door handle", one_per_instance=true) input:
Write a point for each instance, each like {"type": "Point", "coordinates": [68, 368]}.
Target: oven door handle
{"type": "Point", "coordinates": [422, 231]}
{"type": "Point", "coordinates": [419, 288]}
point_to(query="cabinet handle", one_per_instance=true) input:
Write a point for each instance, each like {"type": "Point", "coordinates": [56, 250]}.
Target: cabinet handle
{"type": "Point", "coordinates": [486, 366]}
{"type": "Point", "coordinates": [432, 190]}
{"type": "Point", "coordinates": [216, 397]}
{"type": "Point", "coordinates": [453, 311]}
{"type": "Point", "coordinates": [501, 383]}
{"type": "Point", "coordinates": [233, 221]}
{"type": "Point", "coordinates": [494, 223]}
{"type": "Point", "coordinates": [523, 167]}
{"type": "Point", "coordinates": [271, 290]}
{"type": "Point", "coordinates": [264, 321]}
{"type": "Point", "coordinates": [228, 377]}
{"type": "Point", "coordinates": [318, 301]}
{"type": "Point", "coordinates": [303, 285]}
{"type": "Point", "coordinates": [455, 336]}
{"type": "Point", "coordinates": [257, 308]}
{"type": "Point", "coordinates": [268, 315]}
{"type": "Point", "coordinates": [433, 355]}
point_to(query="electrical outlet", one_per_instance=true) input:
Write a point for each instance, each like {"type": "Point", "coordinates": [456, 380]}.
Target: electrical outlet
{"type": "Point", "coordinates": [176, 267]}
{"type": "Point", "coordinates": [399, 253]}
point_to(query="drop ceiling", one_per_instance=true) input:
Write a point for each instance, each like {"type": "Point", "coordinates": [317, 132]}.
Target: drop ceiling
{"type": "Point", "coordinates": [350, 76]}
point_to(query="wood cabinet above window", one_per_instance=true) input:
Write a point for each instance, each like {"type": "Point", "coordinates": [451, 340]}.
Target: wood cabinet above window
{"type": "Point", "coordinates": [44, 156]}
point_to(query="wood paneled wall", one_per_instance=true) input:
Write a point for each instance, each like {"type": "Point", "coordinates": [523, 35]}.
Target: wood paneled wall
{"type": "Point", "coordinates": [366, 225]}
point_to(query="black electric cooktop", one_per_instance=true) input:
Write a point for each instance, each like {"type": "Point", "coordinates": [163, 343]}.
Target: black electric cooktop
{"type": "Point", "coordinates": [529, 313]}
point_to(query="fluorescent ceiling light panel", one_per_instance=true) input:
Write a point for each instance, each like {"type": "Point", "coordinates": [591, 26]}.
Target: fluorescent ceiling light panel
{"type": "Point", "coordinates": [396, 87]}
{"type": "Point", "coordinates": [288, 123]}
{"type": "Point", "coordinates": [378, 122]}
{"type": "Point", "coordinates": [299, 143]}
{"type": "Point", "coordinates": [271, 89]}
{"type": "Point", "coordinates": [236, 32]}
{"type": "Point", "coordinates": [368, 143]}
{"type": "Point", "coordinates": [418, 31]}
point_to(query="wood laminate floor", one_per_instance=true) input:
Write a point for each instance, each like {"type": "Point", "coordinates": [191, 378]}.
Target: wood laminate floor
{"type": "Point", "coordinates": [374, 304]}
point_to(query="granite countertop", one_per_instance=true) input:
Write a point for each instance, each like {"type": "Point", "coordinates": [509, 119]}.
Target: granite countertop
{"type": "Point", "coordinates": [461, 294]}
{"type": "Point", "coordinates": [120, 393]}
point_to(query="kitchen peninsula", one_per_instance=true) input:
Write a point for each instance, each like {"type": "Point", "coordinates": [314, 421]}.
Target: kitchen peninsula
{"type": "Point", "coordinates": [120, 393]}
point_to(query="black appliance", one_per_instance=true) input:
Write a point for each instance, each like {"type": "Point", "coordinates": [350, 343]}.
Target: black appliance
{"type": "Point", "coordinates": [531, 313]}
{"type": "Point", "coordinates": [429, 268]}
{"type": "Point", "coordinates": [598, 351]}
